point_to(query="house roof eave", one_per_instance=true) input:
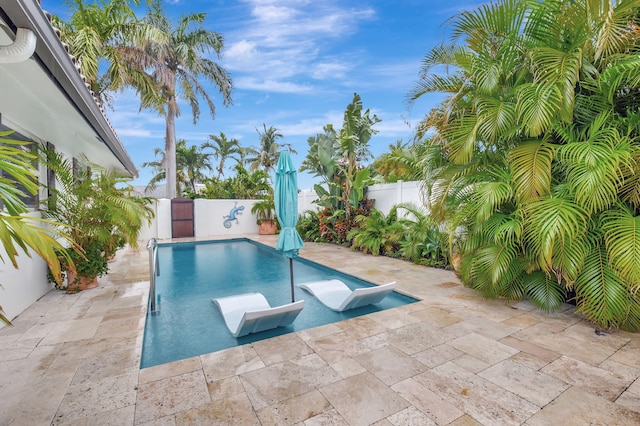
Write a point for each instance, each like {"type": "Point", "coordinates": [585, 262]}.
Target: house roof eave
{"type": "Point", "coordinates": [59, 64]}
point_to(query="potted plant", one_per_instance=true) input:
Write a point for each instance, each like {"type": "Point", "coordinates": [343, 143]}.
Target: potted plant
{"type": "Point", "coordinates": [101, 215]}
{"type": "Point", "coordinates": [265, 211]}
{"type": "Point", "coordinates": [88, 264]}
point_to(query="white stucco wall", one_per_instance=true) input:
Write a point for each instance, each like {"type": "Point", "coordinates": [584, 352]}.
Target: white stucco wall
{"type": "Point", "coordinates": [23, 286]}
{"type": "Point", "coordinates": [210, 216]}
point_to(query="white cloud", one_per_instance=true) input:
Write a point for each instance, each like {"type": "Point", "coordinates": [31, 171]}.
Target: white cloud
{"type": "Point", "coordinates": [283, 42]}
{"type": "Point", "coordinates": [240, 53]}
{"type": "Point", "coordinates": [270, 14]}
{"type": "Point", "coordinates": [327, 70]}
{"type": "Point", "coordinates": [134, 132]}
{"type": "Point", "coordinates": [270, 85]}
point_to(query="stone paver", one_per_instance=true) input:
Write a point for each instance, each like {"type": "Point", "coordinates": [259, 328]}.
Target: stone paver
{"type": "Point", "coordinates": [167, 396]}
{"type": "Point", "coordinates": [598, 381]}
{"type": "Point", "coordinates": [528, 383]}
{"type": "Point", "coordinates": [578, 407]}
{"type": "Point", "coordinates": [279, 382]}
{"type": "Point", "coordinates": [450, 359]}
{"type": "Point", "coordinates": [363, 399]}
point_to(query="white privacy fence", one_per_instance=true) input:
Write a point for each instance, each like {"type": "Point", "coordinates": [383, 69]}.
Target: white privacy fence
{"type": "Point", "coordinates": [210, 215]}
{"type": "Point", "coordinates": [387, 195]}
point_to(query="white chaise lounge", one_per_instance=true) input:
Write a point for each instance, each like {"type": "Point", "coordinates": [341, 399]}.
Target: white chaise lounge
{"type": "Point", "coordinates": [251, 313]}
{"type": "Point", "coordinates": [337, 296]}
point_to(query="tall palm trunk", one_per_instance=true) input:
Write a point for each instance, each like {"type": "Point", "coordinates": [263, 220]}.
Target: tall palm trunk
{"type": "Point", "coordinates": [170, 146]}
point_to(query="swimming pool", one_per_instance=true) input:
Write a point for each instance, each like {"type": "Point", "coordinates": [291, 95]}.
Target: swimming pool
{"type": "Point", "coordinates": [188, 324]}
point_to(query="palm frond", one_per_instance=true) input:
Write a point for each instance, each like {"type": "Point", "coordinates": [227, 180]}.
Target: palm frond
{"type": "Point", "coordinates": [622, 239]}
{"type": "Point", "coordinates": [545, 291]}
{"type": "Point", "coordinates": [530, 164]}
{"type": "Point", "coordinates": [602, 295]}
{"type": "Point", "coordinates": [538, 104]}
{"type": "Point", "coordinates": [497, 118]}
{"type": "Point", "coordinates": [493, 269]}
{"type": "Point", "coordinates": [552, 222]}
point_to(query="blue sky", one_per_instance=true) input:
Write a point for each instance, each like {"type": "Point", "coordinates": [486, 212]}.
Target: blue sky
{"type": "Point", "coordinates": [296, 65]}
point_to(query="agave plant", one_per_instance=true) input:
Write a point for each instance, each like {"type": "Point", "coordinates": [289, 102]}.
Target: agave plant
{"type": "Point", "coordinates": [537, 152]}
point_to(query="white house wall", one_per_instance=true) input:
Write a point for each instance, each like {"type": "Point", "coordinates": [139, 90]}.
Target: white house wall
{"type": "Point", "coordinates": [21, 287]}
{"type": "Point", "coordinates": [46, 99]}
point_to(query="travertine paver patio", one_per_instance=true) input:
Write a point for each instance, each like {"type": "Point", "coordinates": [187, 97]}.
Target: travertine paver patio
{"type": "Point", "coordinates": [452, 358]}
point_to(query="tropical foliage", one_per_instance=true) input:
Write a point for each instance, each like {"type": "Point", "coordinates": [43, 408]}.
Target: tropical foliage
{"type": "Point", "coordinates": [537, 152]}
{"type": "Point", "coordinates": [423, 241]}
{"type": "Point", "coordinates": [339, 157]}
{"type": "Point", "coordinates": [377, 233]}
{"type": "Point", "coordinates": [403, 161]}
{"type": "Point", "coordinates": [19, 232]}
{"type": "Point", "coordinates": [100, 212]}
{"type": "Point", "coordinates": [309, 226]}
{"type": "Point", "coordinates": [405, 232]}
{"type": "Point", "coordinates": [266, 155]}
{"type": "Point", "coordinates": [193, 164]}
{"type": "Point", "coordinates": [243, 185]}
{"type": "Point", "coordinates": [223, 150]}
{"type": "Point", "coordinates": [109, 30]}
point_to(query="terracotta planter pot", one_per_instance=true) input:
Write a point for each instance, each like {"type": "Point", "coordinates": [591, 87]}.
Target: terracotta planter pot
{"type": "Point", "coordinates": [455, 262]}
{"type": "Point", "coordinates": [83, 283]}
{"type": "Point", "coordinates": [267, 228]}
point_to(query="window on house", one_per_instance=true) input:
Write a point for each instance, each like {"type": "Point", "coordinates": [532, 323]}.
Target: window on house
{"type": "Point", "coordinates": [30, 200]}
{"type": "Point", "coordinates": [51, 181]}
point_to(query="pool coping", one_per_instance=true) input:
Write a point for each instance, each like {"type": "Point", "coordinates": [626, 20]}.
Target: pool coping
{"type": "Point", "coordinates": [270, 247]}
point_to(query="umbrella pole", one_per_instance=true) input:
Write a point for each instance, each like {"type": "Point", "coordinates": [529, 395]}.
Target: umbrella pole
{"type": "Point", "coordinates": [293, 299]}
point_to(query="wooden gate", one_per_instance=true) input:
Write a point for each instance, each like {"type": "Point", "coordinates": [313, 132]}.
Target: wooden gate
{"type": "Point", "coordinates": [182, 223]}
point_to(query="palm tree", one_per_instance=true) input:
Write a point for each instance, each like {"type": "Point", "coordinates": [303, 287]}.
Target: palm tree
{"type": "Point", "coordinates": [192, 161]}
{"type": "Point", "coordinates": [266, 155]}
{"type": "Point", "coordinates": [99, 211]}
{"type": "Point", "coordinates": [224, 149]}
{"type": "Point", "coordinates": [178, 66]}
{"type": "Point", "coordinates": [536, 153]}
{"type": "Point", "coordinates": [109, 30]}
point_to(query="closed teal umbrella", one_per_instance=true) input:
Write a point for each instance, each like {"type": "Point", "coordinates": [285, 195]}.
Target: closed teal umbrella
{"type": "Point", "coordinates": [286, 201]}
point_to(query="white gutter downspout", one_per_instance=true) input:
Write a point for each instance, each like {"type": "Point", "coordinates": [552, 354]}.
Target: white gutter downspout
{"type": "Point", "coordinates": [22, 48]}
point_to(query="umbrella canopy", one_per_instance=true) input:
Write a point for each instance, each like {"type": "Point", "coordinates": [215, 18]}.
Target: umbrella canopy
{"type": "Point", "coordinates": [286, 203]}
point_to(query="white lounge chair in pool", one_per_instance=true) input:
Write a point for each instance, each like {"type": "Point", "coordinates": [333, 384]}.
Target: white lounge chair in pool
{"type": "Point", "coordinates": [337, 296]}
{"type": "Point", "coordinates": [251, 313]}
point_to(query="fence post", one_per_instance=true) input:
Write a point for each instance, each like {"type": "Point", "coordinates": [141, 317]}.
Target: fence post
{"type": "Point", "coordinates": [399, 190]}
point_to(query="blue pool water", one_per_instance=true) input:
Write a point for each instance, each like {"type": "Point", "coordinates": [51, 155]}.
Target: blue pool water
{"type": "Point", "coordinates": [191, 274]}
